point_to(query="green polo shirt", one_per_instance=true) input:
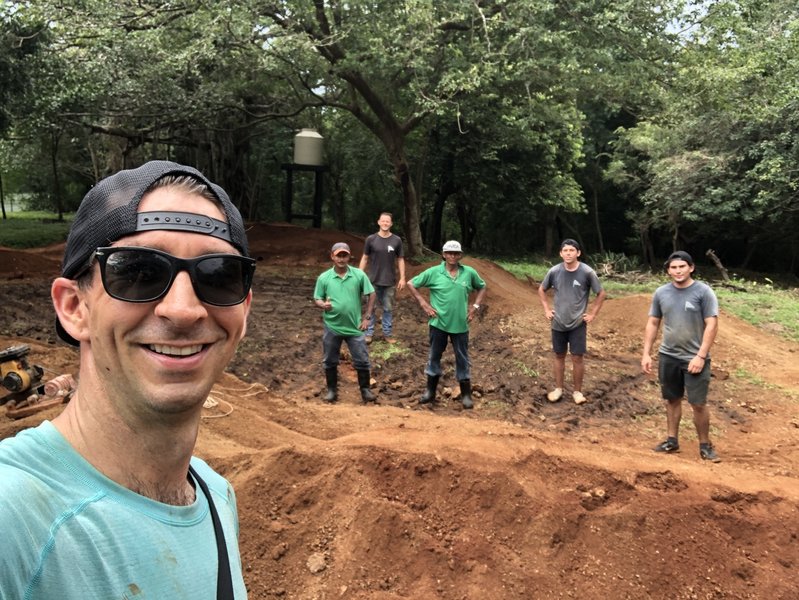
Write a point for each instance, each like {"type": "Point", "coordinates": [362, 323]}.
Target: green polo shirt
{"type": "Point", "coordinates": [450, 297]}
{"type": "Point", "coordinates": [345, 294]}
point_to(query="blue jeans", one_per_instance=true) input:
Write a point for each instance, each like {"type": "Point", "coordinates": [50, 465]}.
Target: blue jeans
{"type": "Point", "coordinates": [460, 345]}
{"type": "Point", "coordinates": [384, 296]}
{"type": "Point", "coordinates": [331, 347]}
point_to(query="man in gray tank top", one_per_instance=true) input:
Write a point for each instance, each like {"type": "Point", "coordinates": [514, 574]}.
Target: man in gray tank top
{"type": "Point", "coordinates": [689, 311]}
{"type": "Point", "coordinates": [573, 282]}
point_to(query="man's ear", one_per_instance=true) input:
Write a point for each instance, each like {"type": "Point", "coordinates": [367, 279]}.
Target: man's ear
{"type": "Point", "coordinates": [70, 308]}
{"type": "Point", "coordinates": [247, 304]}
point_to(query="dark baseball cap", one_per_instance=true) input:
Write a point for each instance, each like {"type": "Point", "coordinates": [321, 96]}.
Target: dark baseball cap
{"type": "Point", "coordinates": [109, 211]}
{"type": "Point", "coordinates": [679, 255]}
{"type": "Point", "coordinates": [340, 247]}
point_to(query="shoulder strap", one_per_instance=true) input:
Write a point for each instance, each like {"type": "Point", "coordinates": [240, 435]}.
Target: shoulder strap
{"type": "Point", "coordinates": [224, 581]}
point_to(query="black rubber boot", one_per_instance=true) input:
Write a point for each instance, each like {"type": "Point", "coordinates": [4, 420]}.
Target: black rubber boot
{"type": "Point", "coordinates": [364, 378]}
{"type": "Point", "coordinates": [332, 384]}
{"type": "Point", "coordinates": [430, 393]}
{"type": "Point", "coordinates": [466, 393]}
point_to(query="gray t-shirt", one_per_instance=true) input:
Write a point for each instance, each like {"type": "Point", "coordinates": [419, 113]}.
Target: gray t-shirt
{"type": "Point", "coordinates": [383, 254]}
{"type": "Point", "coordinates": [572, 289]}
{"type": "Point", "coordinates": [683, 311]}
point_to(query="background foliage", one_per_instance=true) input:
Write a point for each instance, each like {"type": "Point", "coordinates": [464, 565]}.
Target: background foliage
{"type": "Point", "coordinates": [634, 126]}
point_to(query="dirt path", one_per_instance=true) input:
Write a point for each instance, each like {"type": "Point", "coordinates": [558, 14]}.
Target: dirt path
{"type": "Point", "coordinates": [518, 498]}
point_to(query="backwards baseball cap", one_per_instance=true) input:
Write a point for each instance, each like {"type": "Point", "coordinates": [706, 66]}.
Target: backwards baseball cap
{"type": "Point", "coordinates": [109, 211]}
{"type": "Point", "coordinates": [340, 247]}
{"type": "Point", "coordinates": [452, 246]}
{"type": "Point", "coordinates": [570, 242]}
{"type": "Point", "coordinates": [679, 255]}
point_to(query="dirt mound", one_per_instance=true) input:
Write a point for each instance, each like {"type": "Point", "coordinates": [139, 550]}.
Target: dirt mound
{"type": "Point", "coordinates": [519, 498]}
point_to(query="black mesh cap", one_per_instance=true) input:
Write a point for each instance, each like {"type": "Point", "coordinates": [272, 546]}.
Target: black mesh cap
{"type": "Point", "coordinates": [679, 255]}
{"type": "Point", "coordinates": [109, 212]}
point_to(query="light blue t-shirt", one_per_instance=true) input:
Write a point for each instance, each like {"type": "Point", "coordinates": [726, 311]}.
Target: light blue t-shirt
{"type": "Point", "coordinates": [69, 532]}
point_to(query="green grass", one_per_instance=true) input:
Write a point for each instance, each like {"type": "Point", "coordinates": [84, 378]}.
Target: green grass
{"type": "Point", "coordinates": [381, 350]}
{"type": "Point", "coordinates": [635, 283]}
{"type": "Point", "coordinates": [522, 269]}
{"type": "Point", "coordinates": [33, 229]}
{"type": "Point", "coordinates": [764, 306]}
{"type": "Point", "coordinates": [762, 303]}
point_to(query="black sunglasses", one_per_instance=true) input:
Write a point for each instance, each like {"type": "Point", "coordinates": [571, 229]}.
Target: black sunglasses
{"type": "Point", "coordinates": [135, 274]}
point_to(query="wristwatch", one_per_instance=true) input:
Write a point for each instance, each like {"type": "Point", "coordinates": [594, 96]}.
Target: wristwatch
{"type": "Point", "coordinates": [476, 306]}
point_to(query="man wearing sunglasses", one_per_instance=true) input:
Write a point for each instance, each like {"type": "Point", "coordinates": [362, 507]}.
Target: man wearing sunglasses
{"type": "Point", "coordinates": [107, 501]}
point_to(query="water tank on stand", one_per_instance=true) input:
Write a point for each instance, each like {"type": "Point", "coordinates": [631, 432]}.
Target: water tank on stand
{"type": "Point", "coordinates": [308, 148]}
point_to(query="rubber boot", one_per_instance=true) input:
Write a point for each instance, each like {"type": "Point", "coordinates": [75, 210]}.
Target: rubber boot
{"type": "Point", "coordinates": [332, 384]}
{"type": "Point", "coordinates": [466, 393]}
{"type": "Point", "coordinates": [364, 378]}
{"type": "Point", "coordinates": [430, 393]}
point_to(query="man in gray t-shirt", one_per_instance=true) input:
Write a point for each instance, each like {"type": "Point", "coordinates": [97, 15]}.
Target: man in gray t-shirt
{"type": "Point", "coordinates": [689, 310]}
{"type": "Point", "coordinates": [573, 282]}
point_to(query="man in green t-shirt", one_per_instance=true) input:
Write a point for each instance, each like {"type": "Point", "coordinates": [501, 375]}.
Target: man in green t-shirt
{"type": "Point", "coordinates": [450, 313]}
{"type": "Point", "coordinates": [338, 293]}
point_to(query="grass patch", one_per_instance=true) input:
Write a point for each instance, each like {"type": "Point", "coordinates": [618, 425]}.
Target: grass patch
{"type": "Point", "coordinates": [769, 308]}
{"type": "Point", "coordinates": [525, 370]}
{"type": "Point", "coordinates": [33, 229]}
{"type": "Point", "coordinates": [382, 350]}
{"type": "Point", "coordinates": [523, 269]}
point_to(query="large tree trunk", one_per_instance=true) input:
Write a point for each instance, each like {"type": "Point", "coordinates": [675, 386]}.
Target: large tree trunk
{"type": "Point", "coordinates": [55, 137]}
{"type": "Point", "coordinates": [394, 141]}
{"type": "Point", "coordinates": [413, 229]}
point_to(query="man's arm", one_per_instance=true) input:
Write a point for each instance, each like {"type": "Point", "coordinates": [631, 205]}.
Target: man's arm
{"type": "Point", "coordinates": [478, 301]}
{"type": "Point", "coordinates": [401, 267]}
{"type": "Point", "coordinates": [708, 337]}
{"type": "Point", "coordinates": [595, 306]}
{"type": "Point", "coordinates": [364, 261]}
{"type": "Point", "coordinates": [549, 313]}
{"type": "Point", "coordinates": [650, 333]}
{"type": "Point", "coordinates": [429, 310]}
{"type": "Point", "coordinates": [367, 315]}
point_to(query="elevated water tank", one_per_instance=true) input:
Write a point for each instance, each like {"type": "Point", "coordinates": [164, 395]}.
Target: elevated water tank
{"type": "Point", "coordinates": [308, 148]}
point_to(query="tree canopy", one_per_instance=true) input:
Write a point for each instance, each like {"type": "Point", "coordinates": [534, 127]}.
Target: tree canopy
{"type": "Point", "coordinates": [635, 126]}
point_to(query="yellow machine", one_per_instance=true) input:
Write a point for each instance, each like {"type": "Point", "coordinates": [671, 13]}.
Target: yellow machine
{"type": "Point", "coordinates": [26, 392]}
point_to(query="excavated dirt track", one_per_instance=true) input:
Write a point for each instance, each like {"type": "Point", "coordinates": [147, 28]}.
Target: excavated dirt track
{"type": "Point", "coordinates": [518, 498]}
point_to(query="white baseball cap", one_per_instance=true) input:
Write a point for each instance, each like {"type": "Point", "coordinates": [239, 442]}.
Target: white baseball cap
{"type": "Point", "coordinates": [452, 246]}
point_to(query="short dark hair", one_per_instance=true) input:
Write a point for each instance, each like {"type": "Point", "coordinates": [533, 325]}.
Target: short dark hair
{"type": "Point", "coordinates": [570, 242]}
{"type": "Point", "coordinates": [679, 255]}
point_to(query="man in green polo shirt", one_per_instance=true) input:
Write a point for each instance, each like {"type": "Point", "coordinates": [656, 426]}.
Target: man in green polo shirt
{"type": "Point", "coordinates": [450, 284]}
{"type": "Point", "coordinates": [338, 293]}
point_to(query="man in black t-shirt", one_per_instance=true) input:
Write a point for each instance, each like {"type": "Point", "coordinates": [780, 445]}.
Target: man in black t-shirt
{"type": "Point", "coordinates": [383, 254]}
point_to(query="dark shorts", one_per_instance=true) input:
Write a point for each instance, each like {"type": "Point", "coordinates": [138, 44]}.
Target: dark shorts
{"type": "Point", "coordinates": [574, 340]}
{"type": "Point", "coordinates": [676, 381]}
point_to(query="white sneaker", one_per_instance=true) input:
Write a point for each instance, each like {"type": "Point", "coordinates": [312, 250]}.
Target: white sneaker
{"type": "Point", "coordinates": [555, 395]}
{"type": "Point", "coordinates": [579, 398]}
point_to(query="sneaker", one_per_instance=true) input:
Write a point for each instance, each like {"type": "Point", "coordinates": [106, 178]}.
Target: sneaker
{"type": "Point", "coordinates": [368, 339]}
{"type": "Point", "coordinates": [579, 398]}
{"type": "Point", "coordinates": [667, 446]}
{"type": "Point", "coordinates": [709, 453]}
{"type": "Point", "coordinates": [555, 395]}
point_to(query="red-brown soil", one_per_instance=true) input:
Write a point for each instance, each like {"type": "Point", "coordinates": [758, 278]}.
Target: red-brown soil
{"type": "Point", "coordinates": [518, 498]}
